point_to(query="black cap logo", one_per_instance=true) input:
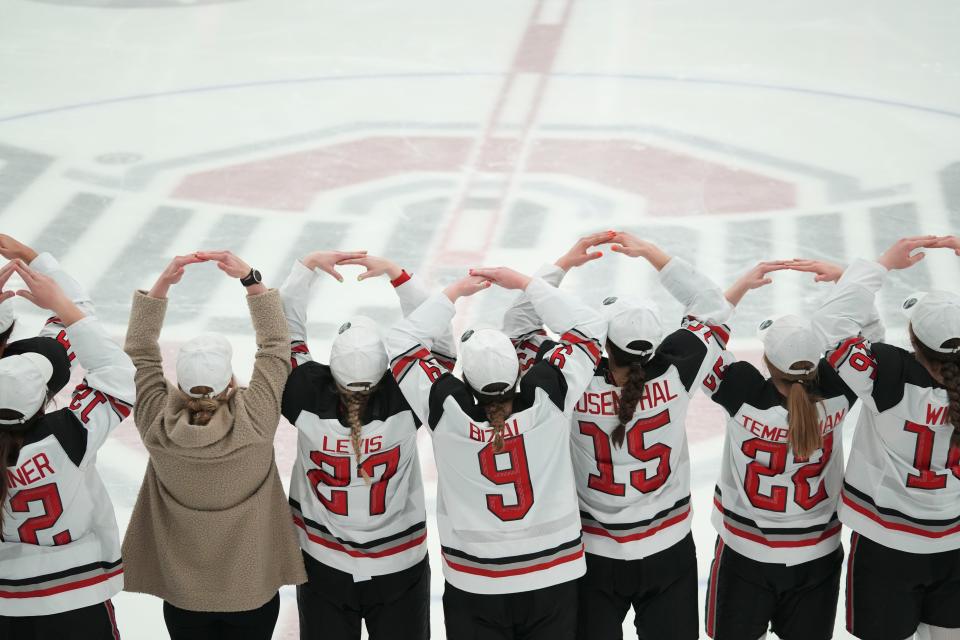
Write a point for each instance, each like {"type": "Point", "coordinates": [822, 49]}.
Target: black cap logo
{"type": "Point", "coordinates": [610, 300]}
{"type": "Point", "coordinates": [466, 335]}
{"type": "Point", "coordinates": [909, 302]}
{"type": "Point", "coordinates": [765, 324]}
{"type": "Point", "coordinates": [344, 327]}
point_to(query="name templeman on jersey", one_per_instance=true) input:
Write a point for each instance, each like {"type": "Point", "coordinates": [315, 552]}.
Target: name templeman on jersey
{"type": "Point", "coordinates": [343, 521]}
{"type": "Point", "coordinates": [770, 505]}
{"type": "Point", "coordinates": [902, 483]}
{"type": "Point", "coordinates": [509, 520]}
{"type": "Point", "coordinates": [635, 500]}
{"type": "Point", "coordinates": [60, 547]}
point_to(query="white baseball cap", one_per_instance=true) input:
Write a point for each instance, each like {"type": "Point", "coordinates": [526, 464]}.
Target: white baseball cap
{"type": "Point", "coordinates": [358, 358]}
{"type": "Point", "coordinates": [6, 315]}
{"type": "Point", "coordinates": [489, 361]}
{"type": "Point", "coordinates": [634, 324]}
{"type": "Point", "coordinates": [934, 318]}
{"type": "Point", "coordinates": [205, 361]}
{"type": "Point", "coordinates": [790, 345]}
{"type": "Point", "coordinates": [23, 385]}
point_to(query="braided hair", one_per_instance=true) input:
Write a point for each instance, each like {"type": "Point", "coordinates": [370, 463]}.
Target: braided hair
{"type": "Point", "coordinates": [632, 391]}
{"type": "Point", "coordinates": [11, 441]}
{"type": "Point", "coordinates": [355, 402]}
{"type": "Point", "coordinates": [947, 365]}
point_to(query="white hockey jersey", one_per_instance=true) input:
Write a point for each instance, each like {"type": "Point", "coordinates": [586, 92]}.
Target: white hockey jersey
{"type": "Point", "coordinates": [509, 521]}
{"type": "Point", "coordinates": [342, 521]}
{"type": "Point", "coordinates": [770, 505]}
{"type": "Point", "coordinates": [635, 500]}
{"type": "Point", "coordinates": [902, 484]}
{"type": "Point", "coordinates": [60, 547]}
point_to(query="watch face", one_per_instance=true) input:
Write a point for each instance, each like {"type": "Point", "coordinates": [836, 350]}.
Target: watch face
{"type": "Point", "coordinates": [256, 276]}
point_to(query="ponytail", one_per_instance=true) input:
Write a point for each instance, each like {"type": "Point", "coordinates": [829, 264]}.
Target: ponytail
{"type": "Point", "coordinates": [202, 409]}
{"type": "Point", "coordinates": [803, 434]}
{"type": "Point", "coordinates": [949, 370]}
{"type": "Point", "coordinates": [497, 413]}
{"type": "Point", "coordinates": [11, 441]}
{"type": "Point", "coordinates": [355, 403]}
{"type": "Point", "coordinates": [632, 390]}
{"type": "Point", "coordinates": [630, 395]}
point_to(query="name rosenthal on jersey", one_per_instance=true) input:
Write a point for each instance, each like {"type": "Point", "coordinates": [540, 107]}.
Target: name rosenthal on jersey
{"type": "Point", "coordinates": [635, 500]}
{"type": "Point", "coordinates": [770, 505]}
{"type": "Point", "coordinates": [508, 521]}
{"type": "Point", "coordinates": [902, 483]}
{"type": "Point", "coordinates": [60, 547]}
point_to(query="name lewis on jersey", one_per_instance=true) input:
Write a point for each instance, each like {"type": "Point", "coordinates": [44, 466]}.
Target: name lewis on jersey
{"type": "Point", "coordinates": [607, 403]}
{"type": "Point", "coordinates": [343, 445]}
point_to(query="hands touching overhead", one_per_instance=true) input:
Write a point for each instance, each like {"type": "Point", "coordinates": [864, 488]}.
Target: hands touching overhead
{"type": "Point", "coordinates": [226, 261]}
{"type": "Point", "coordinates": [42, 290]}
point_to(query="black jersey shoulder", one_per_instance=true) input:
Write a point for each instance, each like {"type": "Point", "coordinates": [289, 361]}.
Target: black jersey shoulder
{"type": "Point", "coordinates": [68, 431]}
{"type": "Point", "coordinates": [744, 384]}
{"type": "Point", "coordinates": [829, 384]}
{"type": "Point", "coordinates": [896, 368]}
{"type": "Point", "coordinates": [683, 350]}
{"type": "Point", "coordinates": [50, 349]}
{"type": "Point", "coordinates": [311, 388]}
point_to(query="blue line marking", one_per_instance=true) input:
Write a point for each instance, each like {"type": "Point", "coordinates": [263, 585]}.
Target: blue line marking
{"type": "Point", "coordinates": [741, 84]}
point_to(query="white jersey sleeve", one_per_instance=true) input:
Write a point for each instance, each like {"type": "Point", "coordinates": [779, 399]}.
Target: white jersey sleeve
{"type": "Point", "coordinates": [295, 294]}
{"type": "Point", "coordinates": [850, 308]}
{"type": "Point", "coordinates": [46, 264]}
{"type": "Point", "coordinates": [106, 395]}
{"type": "Point", "coordinates": [411, 293]}
{"type": "Point", "coordinates": [523, 324]}
{"type": "Point", "coordinates": [582, 330]}
{"type": "Point", "coordinates": [409, 344]}
{"type": "Point", "coordinates": [699, 295]}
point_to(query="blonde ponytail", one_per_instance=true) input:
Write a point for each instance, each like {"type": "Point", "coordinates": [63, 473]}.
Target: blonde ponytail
{"type": "Point", "coordinates": [355, 403]}
{"type": "Point", "coordinates": [804, 433]}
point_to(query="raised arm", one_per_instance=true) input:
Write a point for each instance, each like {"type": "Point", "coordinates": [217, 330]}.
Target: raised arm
{"type": "Point", "coordinates": [263, 396]}
{"type": "Point", "coordinates": [409, 344]}
{"type": "Point", "coordinates": [295, 294]}
{"type": "Point", "coordinates": [699, 295]}
{"type": "Point", "coordinates": [582, 330]}
{"type": "Point", "coordinates": [411, 293]}
{"type": "Point", "coordinates": [521, 323]}
{"type": "Point", "coordinates": [106, 395]}
{"type": "Point", "coordinates": [143, 342]}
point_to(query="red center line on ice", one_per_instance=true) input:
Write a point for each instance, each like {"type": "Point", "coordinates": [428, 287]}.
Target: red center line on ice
{"type": "Point", "coordinates": [469, 233]}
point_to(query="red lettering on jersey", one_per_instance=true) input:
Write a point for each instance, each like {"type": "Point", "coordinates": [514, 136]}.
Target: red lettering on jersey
{"type": "Point", "coordinates": [372, 445]}
{"type": "Point", "coordinates": [30, 471]}
{"type": "Point", "coordinates": [599, 404]}
{"type": "Point", "coordinates": [510, 428]}
{"type": "Point", "coordinates": [937, 415]}
{"type": "Point", "coordinates": [829, 423]}
{"type": "Point", "coordinates": [655, 394]}
{"type": "Point", "coordinates": [766, 432]}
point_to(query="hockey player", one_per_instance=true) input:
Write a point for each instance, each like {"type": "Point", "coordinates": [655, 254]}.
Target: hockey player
{"type": "Point", "coordinates": [629, 442]}
{"type": "Point", "coordinates": [356, 489]}
{"type": "Point", "coordinates": [901, 489]}
{"type": "Point", "coordinates": [506, 506]}
{"type": "Point", "coordinates": [210, 533]}
{"type": "Point", "coordinates": [778, 557]}
{"type": "Point", "coordinates": [59, 544]}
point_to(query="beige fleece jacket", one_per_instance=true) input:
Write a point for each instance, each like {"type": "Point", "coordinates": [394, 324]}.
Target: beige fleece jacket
{"type": "Point", "coordinates": [211, 529]}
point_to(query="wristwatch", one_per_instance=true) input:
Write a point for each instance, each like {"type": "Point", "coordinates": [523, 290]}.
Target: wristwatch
{"type": "Point", "coordinates": [251, 278]}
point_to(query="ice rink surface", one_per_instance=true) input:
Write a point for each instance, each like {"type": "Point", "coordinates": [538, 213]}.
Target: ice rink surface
{"type": "Point", "coordinates": [453, 134]}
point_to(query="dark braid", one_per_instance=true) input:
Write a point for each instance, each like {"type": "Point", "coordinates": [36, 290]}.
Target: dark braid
{"type": "Point", "coordinates": [947, 365]}
{"type": "Point", "coordinates": [497, 413]}
{"type": "Point", "coordinates": [11, 441]}
{"type": "Point", "coordinates": [632, 391]}
{"type": "Point", "coordinates": [630, 395]}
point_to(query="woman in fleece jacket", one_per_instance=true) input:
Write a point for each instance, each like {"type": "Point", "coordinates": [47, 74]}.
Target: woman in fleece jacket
{"type": "Point", "coordinates": [211, 532]}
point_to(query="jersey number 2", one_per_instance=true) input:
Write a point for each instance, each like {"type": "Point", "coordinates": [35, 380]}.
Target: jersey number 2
{"type": "Point", "coordinates": [776, 500]}
{"type": "Point", "coordinates": [340, 465]}
{"type": "Point", "coordinates": [49, 496]}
